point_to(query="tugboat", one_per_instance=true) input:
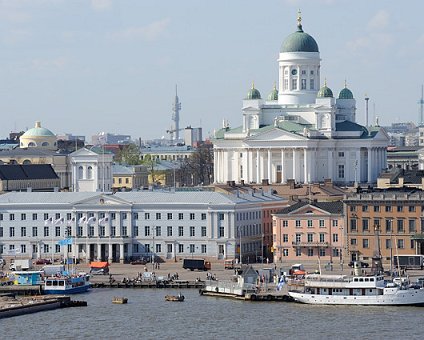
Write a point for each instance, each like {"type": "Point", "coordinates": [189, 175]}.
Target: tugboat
{"type": "Point", "coordinates": [119, 300]}
{"type": "Point", "coordinates": [175, 298]}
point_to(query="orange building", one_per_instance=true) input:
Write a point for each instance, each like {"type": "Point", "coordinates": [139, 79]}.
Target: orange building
{"type": "Point", "coordinates": [308, 232]}
{"type": "Point", "coordinates": [393, 217]}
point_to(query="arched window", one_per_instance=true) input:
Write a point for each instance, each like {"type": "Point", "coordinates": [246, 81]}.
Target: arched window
{"type": "Point", "coordinates": [31, 144]}
{"type": "Point", "coordinates": [27, 161]}
{"type": "Point", "coordinates": [90, 172]}
{"type": "Point", "coordinates": [45, 144]}
{"type": "Point", "coordinates": [80, 172]}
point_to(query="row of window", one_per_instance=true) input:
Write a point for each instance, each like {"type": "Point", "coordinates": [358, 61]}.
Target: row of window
{"type": "Point", "coordinates": [386, 208]}
{"type": "Point", "coordinates": [389, 227]}
{"type": "Point", "coordinates": [294, 84]}
{"type": "Point", "coordinates": [400, 244]}
{"type": "Point", "coordinates": [312, 252]}
{"type": "Point", "coordinates": [310, 237]}
{"type": "Point", "coordinates": [310, 223]}
{"type": "Point", "coordinates": [124, 215]}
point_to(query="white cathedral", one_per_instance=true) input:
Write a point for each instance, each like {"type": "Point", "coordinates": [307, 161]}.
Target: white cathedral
{"type": "Point", "coordinates": [299, 132]}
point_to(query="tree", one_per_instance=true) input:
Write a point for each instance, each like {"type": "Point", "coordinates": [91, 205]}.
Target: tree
{"type": "Point", "coordinates": [129, 154]}
{"type": "Point", "coordinates": [198, 169]}
{"type": "Point", "coordinates": [150, 162]}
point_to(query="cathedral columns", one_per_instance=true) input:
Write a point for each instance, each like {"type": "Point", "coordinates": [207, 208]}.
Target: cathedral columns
{"type": "Point", "coordinates": [305, 165]}
{"type": "Point", "coordinates": [283, 168]}
{"type": "Point", "coordinates": [294, 164]}
{"type": "Point", "coordinates": [358, 167]}
{"type": "Point", "coordinates": [369, 178]}
{"type": "Point", "coordinates": [269, 166]}
{"type": "Point", "coordinates": [257, 165]}
{"type": "Point", "coordinates": [330, 164]}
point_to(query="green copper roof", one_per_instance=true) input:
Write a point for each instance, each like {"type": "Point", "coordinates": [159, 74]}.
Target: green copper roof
{"type": "Point", "coordinates": [299, 41]}
{"type": "Point", "coordinates": [38, 131]}
{"type": "Point", "coordinates": [273, 94]}
{"type": "Point", "coordinates": [345, 94]}
{"type": "Point", "coordinates": [325, 92]}
{"type": "Point", "coordinates": [253, 93]}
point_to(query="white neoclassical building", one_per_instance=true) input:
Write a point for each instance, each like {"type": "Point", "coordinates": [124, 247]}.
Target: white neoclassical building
{"type": "Point", "coordinates": [300, 131]}
{"type": "Point", "coordinates": [116, 227]}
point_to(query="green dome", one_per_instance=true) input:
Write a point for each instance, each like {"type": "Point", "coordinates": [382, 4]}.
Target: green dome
{"type": "Point", "coordinates": [325, 92]}
{"type": "Point", "coordinates": [345, 94]}
{"type": "Point", "coordinates": [299, 41]}
{"type": "Point", "coordinates": [38, 131]}
{"type": "Point", "coordinates": [273, 94]}
{"type": "Point", "coordinates": [253, 93]}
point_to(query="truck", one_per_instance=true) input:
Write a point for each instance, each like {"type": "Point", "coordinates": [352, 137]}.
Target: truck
{"type": "Point", "coordinates": [21, 264]}
{"type": "Point", "coordinates": [199, 264]}
{"type": "Point", "coordinates": [408, 261]}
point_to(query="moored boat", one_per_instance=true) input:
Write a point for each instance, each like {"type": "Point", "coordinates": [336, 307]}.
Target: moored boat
{"type": "Point", "coordinates": [357, 290]}
{"type": "Point", "coordinates": [66, 284]}
{"type": "Point", "coordinates": [175, 298]}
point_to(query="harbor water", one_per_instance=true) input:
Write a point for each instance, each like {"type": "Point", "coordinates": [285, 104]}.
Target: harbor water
{"type": "Point", "coordinates": [148, 316]}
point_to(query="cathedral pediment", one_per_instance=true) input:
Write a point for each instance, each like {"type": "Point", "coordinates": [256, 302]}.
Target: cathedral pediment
{"type": "Point", "coordinates": [276, 134]}
{"type": "Point", "coordinates": [83, 153]}
{"type": "Point", "coordinates": [103, 199]}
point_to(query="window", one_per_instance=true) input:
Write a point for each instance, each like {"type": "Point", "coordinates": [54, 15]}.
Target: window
{"type": "Point", "coordinates": [412, 227]}
{"type": "Point", "coordinates": [11, 217]}
{"type": "Point", "coordinates": [322, 237]}
{"type": "Point", "coordinates": [124, 230]}
{"type": "Point", "coordinates": [298, 252]}
{"type": "Point", "coordinates": [23, 217]}
{"type": "Point", "coordinates": [80, 172]}
{"type": "Point", "coordinates": [23, 231]}
{"type": "Point", "coordinates": [113, 216]}
{"type": "Point", "coordinates": [124, 216]}
{"type": "Point", "coordinates": [353, 225]}
{"type": "Point", "coordinates": [169, 216]}
{"type": "Point", "coordinates": [169, 231]}
{"type": "Point", "coordinates": [147, 248]}
{"type": "Point", "coordinates": [158, 248]}
{"type": "Point", "coordinates": [335, 223]}
{"type": "Point", "coordinates": [298, 238]}
{"type": "Point", "coordinates": [169, 247]}
{"type": "Point", "coordinates": [341, 154]}
{"type": "Point", "coordinates": [158, 216]}
{"type": "Point", "coordinates": [203, 216]}
{"type": "Point", "coordinates": [399, 208]}
{"type": "Point", "coordinates": [310, 251]}
{"type": "Point", "coordinates": [388, 243]}
{"type": "Point", "coordinates": [192, 231]}
{"type": "Point", "coordinates": [191, 216]}
{"type": "Point", "coordinates": [401, 243]}
{"type": "Point", "coordinates": [46, 231]}
{"type": "Point", "coordinates": [321, 223]}
{"type": "Point", "coordinates": [400, 227]}
{"type": "Point", "coordinates": [57, 231]}
{"type": "Point", "coordinates": [321, 252]}
{"type": "Point", "coordinates": [221, 231]}
{"type": "Point", "coordinates": [1, 217]}
{"type": "Point", "coordinates": [286, 84]}
{"type": "Point", "coordinates": [147, 230]}
{"type": "Point", "coordinates": [192, 248]}
{"type": "Point", "coordinates": [311, 83]}
{"type": "Point", "coordinates": [135, 216]}
{"type": "Point", "coordinates": [158, 231]}
{"type": "Point", "coordinates": [285, 224]}
{"type": "Point", "coordinates": [285, 238]}
{"type": "Point", "coordinates": [352, 208]}
{"type": "Point", "coordinates": [353, 241]}
{"type": "Point", "coordinates": [335, 237]}
{"type": "Point", "coordinates": [34, 231]}
{"type": "Point", "coordinates": [310, 237]}
{"type": "Point", "coordinates": [297, 223]}
{"type": "Point", "coordinates": [102, 231]}
{"type": "Point", "coordinates": [388, 225]}
{"type": "Point", "coordinates": [309, 223]}
{"type": "Point", "coordinates": [376, 208]}
{"type": "Point", "coordinates": [294, 84]}
{"type": "Point", "coordinates": [90, 172]}
{"type": "Point", "coordinates": [147, 216]}
{"type": "Point", "coordinates": [388, 208]}
{"type": "Point", "coordinates": [303, 84]}
{"type": "Point", "coordinates": [181, 248]}
{"type": "Point", "coordinates": [203, 248]}
{"type": "Point", "coordinates": [285, 252]}
{"type": "Point", "coordinates": [364, 208]}
{"type": "Point", "coordinates": [46, 248]}
{"type": "Point", "coordinates": [180, 231]}
{"type": "Point", "coordinates": [221, 216]}
{"type": "Point", "coordinates": [411, 208]}
{"type": "Point", "coordinates": [365, 243]}
{"type": "Point", "coordinates": [180, 216]}
{"type": "Point", "coordinates": [365, 225]}
{"type": "Point", "coordinates": [341, 171]}
{"type": "Point", "coordinates": [127, 180]}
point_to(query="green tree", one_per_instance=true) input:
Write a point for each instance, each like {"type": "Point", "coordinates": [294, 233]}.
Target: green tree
{"type": "Point", "coordinates": [129, 154]}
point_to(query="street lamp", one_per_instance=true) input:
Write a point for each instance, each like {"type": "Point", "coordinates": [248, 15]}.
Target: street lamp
{"type": "Point", "coordinates": [240, 254]}
{"type": "Point", "coordinates": [262, 247]}
{"type": "Point", "coordinates": [391, 246]}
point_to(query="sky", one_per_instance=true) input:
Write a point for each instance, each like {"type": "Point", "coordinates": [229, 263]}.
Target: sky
{"type": "Point", "coordinates": [86, 66]}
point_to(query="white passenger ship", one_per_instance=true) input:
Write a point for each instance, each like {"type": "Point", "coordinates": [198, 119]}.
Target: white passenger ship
{"type": "Point", "coordinates": [356, 290]}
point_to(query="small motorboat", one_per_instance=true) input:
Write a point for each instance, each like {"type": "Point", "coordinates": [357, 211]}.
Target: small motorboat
{"type": "Point", "coordinates": [175, 298]}
{"type": "Point", "coordinates": [119, 300]}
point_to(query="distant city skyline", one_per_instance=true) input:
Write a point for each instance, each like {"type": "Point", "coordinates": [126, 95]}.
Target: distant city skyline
{"type": "Point", "coordinates": [83, 66]}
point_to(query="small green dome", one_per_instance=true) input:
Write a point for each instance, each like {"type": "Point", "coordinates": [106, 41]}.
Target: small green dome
{"type": "Point", "coordinates": [345, 94]}
{"type": "Point", "coordinates": [253, 93]}
{"type": "Point", "coordinates": [325, 92]}
{"type": "Point", "coordinates": [38, 131]}
{"type": "Point", "coordinates": [273, 94]}
{"type": "Point", "coordinates": [299, 41]}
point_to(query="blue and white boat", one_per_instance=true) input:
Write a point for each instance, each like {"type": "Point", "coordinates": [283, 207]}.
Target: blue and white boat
{"type": "Point", "coordinates": [66, 284]}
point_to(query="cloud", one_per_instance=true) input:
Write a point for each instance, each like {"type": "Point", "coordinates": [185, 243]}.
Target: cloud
{"type": "Point", "coordinates": [148, 33]}
{"type": "Point", "coordinates": [375, 41]}
{"type": "Point", "coordinates": [49, 64]}
{"type": "Point", "coordinates": [379, 21]}
{"type": "Point", "coordinates": [101, 5]}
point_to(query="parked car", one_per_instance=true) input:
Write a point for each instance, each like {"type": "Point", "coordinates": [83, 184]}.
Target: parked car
{"type": "Point", "coordinates": [138, 261]}
{"type": "Point", "coordinates": [43, 261]}
{"type": "Point", "coordinates": [361, 263]}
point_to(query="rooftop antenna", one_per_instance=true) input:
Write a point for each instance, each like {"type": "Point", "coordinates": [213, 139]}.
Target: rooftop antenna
{"type": "Point", "coordinates": [366, 110]}
{"type": "Point", "coordinates": [421, 102]}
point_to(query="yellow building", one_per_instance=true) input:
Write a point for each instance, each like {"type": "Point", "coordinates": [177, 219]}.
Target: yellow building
{"type": "Point", "coordinates": [129, 177]}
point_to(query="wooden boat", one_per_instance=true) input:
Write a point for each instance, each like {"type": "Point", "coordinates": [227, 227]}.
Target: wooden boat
{"type": "Point", "coordinates": [119, 300]}
{"type": "Point", "coordinates": [175, 298]}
